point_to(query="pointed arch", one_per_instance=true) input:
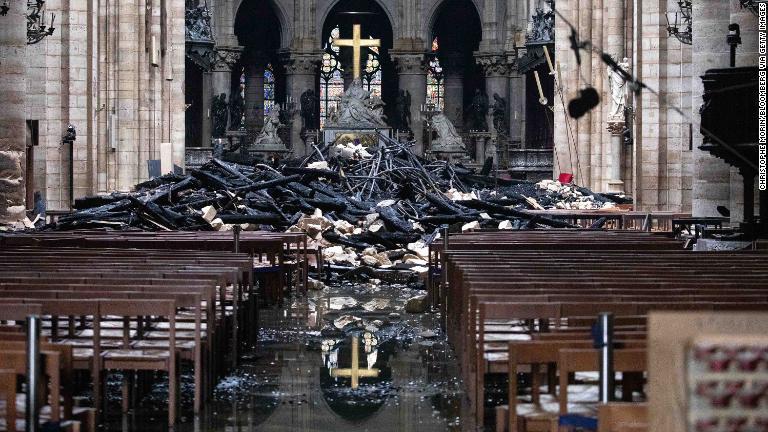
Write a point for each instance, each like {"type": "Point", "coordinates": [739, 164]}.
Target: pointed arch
{"type": "Point", "coordinates": [280, 13]}
{"type": "Point", "coordinates": [323, 14]}
{"type": "Point", "coordinates": [433, 14]}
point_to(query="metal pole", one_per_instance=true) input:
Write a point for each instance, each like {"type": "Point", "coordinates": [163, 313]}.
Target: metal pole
{"type": "Point", "coordinates": [607, 375]}
{"type": "Point", "coordinates": [443, 291]}
{"type": "Point", "coordinates": [444, 260]}
{"type": "Point", "coordinates": [71, 175]}
{"type": "Point", "coordinates": [33, 373]}
{"type": "Point", "coordinates": [236, 234]}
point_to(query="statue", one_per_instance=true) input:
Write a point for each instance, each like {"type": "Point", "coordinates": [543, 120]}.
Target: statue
{"type": "Point", "coordinates": [618, 89]}
{"type": "Point", "coordinates": [542, 27]}
{"type": "Point", "coordinates": [308, 109]}
{"type": "Point", "coordinates": [499, 114]}
{"type": "Point", "coordinates": [358, 110]}
{"type": "Point", "coordinates": [403, 106]}
{"type": "Point", "coordinates": [377, 106]}
{"type": "Point", "coordinates": [236, 110]}
{"type": "Point", "coordinates": [268, 136]}
{"type": "Point", "coordinates": [447, 137]}
{"type": "Point", "coordinates": [477, 111]}
{"type": "Point", "coordinates": [220, 112]}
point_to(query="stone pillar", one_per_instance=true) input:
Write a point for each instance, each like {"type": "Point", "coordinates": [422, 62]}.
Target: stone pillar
{"type": "Point", "coordinates": [412, 76]}
{"type": "Point", "coordinates": [615, 184]}
{"type": "Point", "coordinates": [301, 70]}
{"type": "Point", "coordinates": [711, 176]}
{"type": "Point", "coordinates": [254, 94]}
{"type": "Point", "coordinates": [207, 127]}
{"type": "Point", "coordinates": [12, 113]}
{"type": "Point", "coordinates": [453, 78]}
{"type": "Point", "coordinates": [226, 58]}
{"type": "Point", "coordinates": [516, 109]}
{"type": "Point", "coordinates": [496, 69]}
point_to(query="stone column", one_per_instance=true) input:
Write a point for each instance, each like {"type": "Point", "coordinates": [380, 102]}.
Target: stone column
{"type": "Point", "coordinates": [226, 58]}
{"type": "Point", "coordinates": [12, 113]}
{"type": "Point", "coordinates": [453, 78]}
{"type": "Point", "coordinates": [496, 69]}
{"type": "Point", "coordinates": [711, 176]}
{"type": "Point", "coordinates": [301, 70]}
{"type": "Point", "coordinates": [412, 76]}
{"type": "Point", "coordinates": [254, 93]}
{"type": "Point", "coordinates": [206, 130]}
{"type": "Point", "coordinates": [615, 184]}
{"type": "Point", "coordinates": [516, 109]}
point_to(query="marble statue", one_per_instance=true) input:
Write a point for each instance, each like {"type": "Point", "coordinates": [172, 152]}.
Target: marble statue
{"type": "Point", "coordinates": [447, 137]}
{"type": "Point", "coordinates": [268, 136]}
{"type": "Point", "coordinates": [358, 110]}
{"type": "Point", "coordinates": [618, 87]}
{"type": "Point", "coordinates": [220, 114]}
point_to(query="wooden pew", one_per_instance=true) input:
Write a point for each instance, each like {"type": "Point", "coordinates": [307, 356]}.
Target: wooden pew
{"type": "Point", "coordinates": [495, 278]}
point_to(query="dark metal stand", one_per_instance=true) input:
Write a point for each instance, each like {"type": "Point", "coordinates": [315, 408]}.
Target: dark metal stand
{"type": "Point", "coordinates": [33, 373]}
{"type": "Point", "coordinates": [607, 375]}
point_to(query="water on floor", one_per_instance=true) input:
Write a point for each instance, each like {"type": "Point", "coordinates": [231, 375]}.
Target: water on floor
{"type": "Point", "coordinates": [298, 376]}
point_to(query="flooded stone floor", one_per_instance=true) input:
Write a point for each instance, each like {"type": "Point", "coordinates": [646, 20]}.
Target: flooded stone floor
{"type": "Point", "coordinates": [288, 383]}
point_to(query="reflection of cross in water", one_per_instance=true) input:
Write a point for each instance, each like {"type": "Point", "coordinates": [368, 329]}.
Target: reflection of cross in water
{"type": "Point", "coordinates": [355, 372]}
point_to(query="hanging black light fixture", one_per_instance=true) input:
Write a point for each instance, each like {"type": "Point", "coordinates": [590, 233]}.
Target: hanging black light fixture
{"type": "Point", "coordinates": [588, 98]}
{"type": "Point", "coordinates": [4, 8]}
{"type": "Point", "coordinates": [681, 24]}
{"type": "Point", "coordinates": [37, 30]}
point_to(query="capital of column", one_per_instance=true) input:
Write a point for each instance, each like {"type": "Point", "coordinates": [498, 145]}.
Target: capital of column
{"type": "Point", "coordinates": [300, 63]}
{"type": "Point", "coordinates": [409, 62]}
{"type": "Point", "coordinates": [615, 126]}
{"type": "Point", "coordinates": [495, 64]}
{"type": "Point", "coordinates": [225, 58]}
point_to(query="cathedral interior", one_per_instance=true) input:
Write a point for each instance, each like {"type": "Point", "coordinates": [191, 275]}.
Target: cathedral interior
{"type": "Point", "coordinates": [378, 215]}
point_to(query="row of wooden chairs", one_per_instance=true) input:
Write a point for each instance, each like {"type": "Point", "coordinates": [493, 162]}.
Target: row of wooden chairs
{"type": "Point", "coordinates": [518, 300]}
{"type": "Point", "coordinates": [136, 309]}
{"type": "Point", "coordinates": [281, 260]}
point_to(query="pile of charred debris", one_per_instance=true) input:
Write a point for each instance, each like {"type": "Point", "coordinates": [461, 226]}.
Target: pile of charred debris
{"type": "Point", "coordinates": [375, 206]}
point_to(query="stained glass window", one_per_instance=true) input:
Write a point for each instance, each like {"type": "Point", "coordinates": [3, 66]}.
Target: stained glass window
{"type": "Point", "coordinates": [372, 72]}
{"type": "Point", "coordinates": [435, 83]}
{"type": "Point", "coordinates": [331, 81]}
{"type": "Point", "coordinates": [269, 90]}
{"type": "Point", "coordinates": [242, 87]}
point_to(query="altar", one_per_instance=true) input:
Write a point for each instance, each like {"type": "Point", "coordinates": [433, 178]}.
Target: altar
{"type": "Point", "coordinates": [359, 118]}
{"type": "Point", "coordinates": [367, 137]}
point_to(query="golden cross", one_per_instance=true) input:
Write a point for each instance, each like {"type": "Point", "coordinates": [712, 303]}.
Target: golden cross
{"type": "Point", "coordinates": [355, 372]}
{"type": "Point", "coordinates": [356, 43]}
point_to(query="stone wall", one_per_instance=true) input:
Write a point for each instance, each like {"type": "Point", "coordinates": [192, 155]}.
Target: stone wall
{"type": "Point", "coordinates": [656, 169]}
{"type": "Point", "coordinates": [96, 73]}
{"type": "Point", "coordinates": [12, 103]}
{"type": "Point", "coordinates": [662, 158]}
